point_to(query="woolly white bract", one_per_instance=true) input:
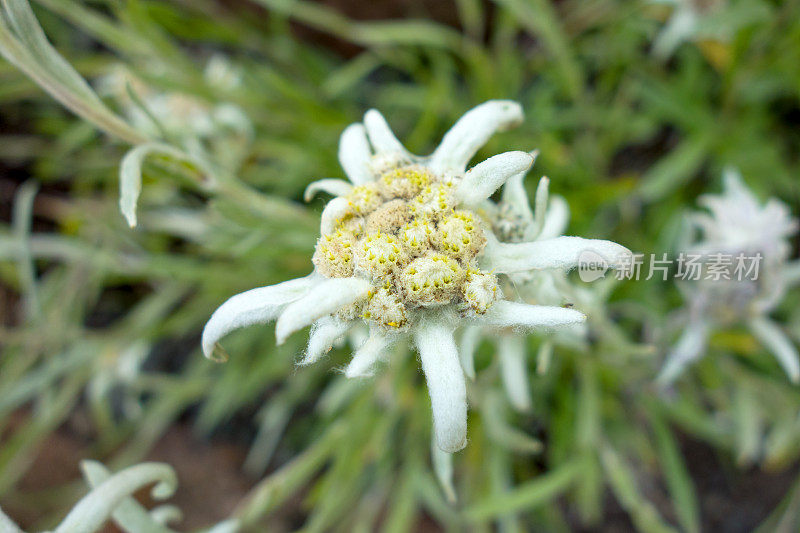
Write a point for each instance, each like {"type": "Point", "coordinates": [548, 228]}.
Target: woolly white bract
{"type": "Point", "coordinates": [737, 223]}
{"type": "Point", "coordinates": [407, 246]}
{"type": "Point", "coordinates": [516, 221]}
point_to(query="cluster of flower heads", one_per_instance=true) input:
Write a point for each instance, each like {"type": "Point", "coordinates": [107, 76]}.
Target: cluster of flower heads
{"type": "Point", "coordinates": [737, 223]}
{"type": "Point", "coordinates": [404, 233]}
{"type": "Point", "coordinates": [408, 247]}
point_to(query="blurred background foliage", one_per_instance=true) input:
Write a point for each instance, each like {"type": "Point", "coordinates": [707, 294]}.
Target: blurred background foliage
{"type": "Point", "coordinates": [100, 322]}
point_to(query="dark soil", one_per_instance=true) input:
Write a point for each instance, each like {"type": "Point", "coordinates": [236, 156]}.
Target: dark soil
{"type": "Point", "coordinates": [210, 478]}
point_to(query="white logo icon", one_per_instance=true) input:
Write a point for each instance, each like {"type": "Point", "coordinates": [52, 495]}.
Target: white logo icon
{"type": "Point", "coordinates": [591, 266]}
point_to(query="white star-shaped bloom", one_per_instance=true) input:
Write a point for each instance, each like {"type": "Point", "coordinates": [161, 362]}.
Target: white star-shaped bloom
{"type": "Point", "coordinates": [407, 247]}
{"type": "Point", "coordinates": [737, 224]}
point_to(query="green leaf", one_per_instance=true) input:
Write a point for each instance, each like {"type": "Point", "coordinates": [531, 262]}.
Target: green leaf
{"type": "Point", "coordinates": [22, 42]}
{"type": "Point", "coordinates": [130, 175]}
{"type": "Point", "coordinates": [128, 514]}
{"type": "Point", "coordinates": [32, 37]}
{"type": "Point", "coordinates": [623, 484]}
{"type": "Point", "coordinates": [676, 473]}
{"type": "Point", "coordinates": [675, 169]}
{"type": "Point", "coordinates": [95, 508]}
{"type": "Point", "coordinates": [23, 217]}
{"type": "Point", "coordinates": [527, 496]}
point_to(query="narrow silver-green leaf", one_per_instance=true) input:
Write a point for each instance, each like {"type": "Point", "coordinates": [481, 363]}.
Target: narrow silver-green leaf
{"type": "Point", "coordinates": [542, 489]}
{"type": "Point", "coordinates": [96, 507]}
{"type": "Point", "coordinates": [676, 473]}
{"type": "Point", "coordinates": [130, 175]}
{"type": "Point", "coordinates": [129, 514]}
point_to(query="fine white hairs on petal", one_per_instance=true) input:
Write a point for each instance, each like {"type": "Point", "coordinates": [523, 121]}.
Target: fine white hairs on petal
{"type": "Point", "coordinates": [357, 335]}
{"type": "Point", "coordinates": [516, 197]}
{"type": "Point", "coordinates": [514, 314]}
{"type": "Point", "coordinates": [355, 154]}
{"type": "Point", "coordinates": [540, 209]}
{"type": "Point", "coordinates": [689, 347]}
{"type": "Point", "coordinates": [766, 331]}
{"type": "Point", "coordinates": [380, 134]}
{"type": "Point", "coordinates": [556, 219]}
{"type": "Point", "coordinates": [368, 354]}
{"type": "Point", "coordinates": [324, 333]}
{"type": "Point", "coordinates": [483, 179]}
{"type": "Point", "coordinates": [256, 306]}
{"type": "Point", "coordinates": [559, 252]}
{"type": "Point", "coordinates": [326, 298]}
{"type": "Point", "coordinates": [334, 212]}
{"type": "Point", "coordinates": [472, 131]}
{"type": "Point", "coordinates": [513, 370]}
{"type": "Point", "coordinates": [329, 185]}
{"type": "Point", "coordinates": [446, 384]}
{"type": "Point", "coordinates": [470, 338]}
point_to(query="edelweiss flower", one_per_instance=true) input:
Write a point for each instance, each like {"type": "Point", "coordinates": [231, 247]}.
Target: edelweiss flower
{"type": "Point", "coordinates": [739, 224]}
{"type": "Point", "coordinates": [403, 248]}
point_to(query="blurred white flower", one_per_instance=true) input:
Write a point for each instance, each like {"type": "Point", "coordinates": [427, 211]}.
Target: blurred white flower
{"type": "Point", "coordinates": [680, 27]}
{"type": "Point", "coordinates": [710, 24]}
{"type": "Point", "coordinates": [737, 223]}
{"type": "Point", "coordinates": [407, 247]}
{"type": "Point", "coordinates": [221, 74]}
{"type": "Point", "coordinates": [176, 114]}
{"type": "Point", "coordinates": [116, 371]}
